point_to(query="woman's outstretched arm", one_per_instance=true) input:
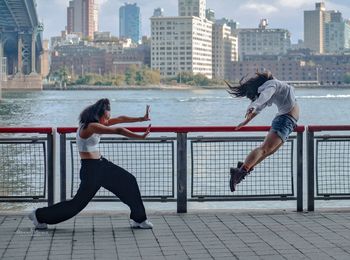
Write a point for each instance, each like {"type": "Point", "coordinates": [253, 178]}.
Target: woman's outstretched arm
{"type": "Point", "coordinates": [97, 128]}
{"type": "Point", "coordinates": [248, 117]}
{"type": "Point", "coordinates": [127, 119]}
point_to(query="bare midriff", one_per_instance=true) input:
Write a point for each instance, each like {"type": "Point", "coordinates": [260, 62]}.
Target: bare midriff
{"type": "Point", "coordinates": [295, 111]}
{"type": "Point", "coordinates": [90, 155]}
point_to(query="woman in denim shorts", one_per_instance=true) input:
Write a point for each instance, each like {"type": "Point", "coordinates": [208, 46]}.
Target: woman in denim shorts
{"type": "Point", "coordinates": [264, 90]}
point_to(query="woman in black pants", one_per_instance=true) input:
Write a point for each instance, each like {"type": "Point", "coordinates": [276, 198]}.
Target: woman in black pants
{"type": "Point", "coordinates": [97, 172]}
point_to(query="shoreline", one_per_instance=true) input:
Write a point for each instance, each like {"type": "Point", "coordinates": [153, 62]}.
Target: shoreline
{"type": "Point", "coordinates": [150, 87]}
{"type": "Point", "coordinates": [156, 87]}
{"type": "Point", "coordinates": [174, 87]}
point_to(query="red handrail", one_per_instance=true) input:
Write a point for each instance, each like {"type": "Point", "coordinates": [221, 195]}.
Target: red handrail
{"type": "Point", "coordinates": [187, 129]}
{"type": "Point", "coordinates": [320, 128]}
{"type": "Point", "coordinates": [37, 130]}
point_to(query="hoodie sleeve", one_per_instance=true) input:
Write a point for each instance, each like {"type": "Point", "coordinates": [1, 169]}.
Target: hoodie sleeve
{"type": "Point", "coordinates": [265, 95]}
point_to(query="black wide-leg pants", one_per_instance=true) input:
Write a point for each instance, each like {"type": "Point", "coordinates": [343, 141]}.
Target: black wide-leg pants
{"type": "Point", "coordinates": [94, 174]}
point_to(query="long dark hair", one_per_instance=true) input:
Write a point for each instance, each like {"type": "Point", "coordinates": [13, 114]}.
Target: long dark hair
{"type": "Point", "coordinates": [94, 112]}
{"type": "Point", "coordinates": [249, 88]}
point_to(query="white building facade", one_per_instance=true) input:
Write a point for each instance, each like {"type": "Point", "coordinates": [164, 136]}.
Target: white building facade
{"type": "Point", "coordinates": [225, 50]}
{"type": "Point", "coordinates": [182, 43]}
{"type": "Point", "coordinates": [261, 41]}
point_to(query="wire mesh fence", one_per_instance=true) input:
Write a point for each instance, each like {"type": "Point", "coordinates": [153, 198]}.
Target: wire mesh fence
{"type": "Point", "coordinates": [151, 162]}
{"type": "Point", "coordinates": [22, 169]}
{"type": "Point", "coordinates": [212, 159]}
{"type": "Point", "coordinates": [332, 166]}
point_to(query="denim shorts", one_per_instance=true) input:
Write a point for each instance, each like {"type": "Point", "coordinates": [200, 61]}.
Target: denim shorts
{"type": "Point", "coordinates": [283, 126]}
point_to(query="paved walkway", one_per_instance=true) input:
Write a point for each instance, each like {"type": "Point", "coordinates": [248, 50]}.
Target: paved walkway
{"type": "Point", "coordinates": [227, 235]}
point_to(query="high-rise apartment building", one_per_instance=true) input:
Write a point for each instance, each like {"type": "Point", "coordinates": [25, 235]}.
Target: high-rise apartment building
{"type": "Point", "coordinates": [70, 17]}
{"type": "Point", "coordinates": [262, 40]}
{"type": "Point", "coordinates": [192, 8]}
{"type": "Point", "coordinates": [326, 31]}
{"type": "Point", "coordinates": [336, 34]}
{"type": "Point", "coordinates": [82, 17]}
{"type": "Point", "coordinates": [314, 21]}
{"type": "Point", "coordinates": [130, 22]}
{"type": "Point", "coordinates": [225, 50]}
{"type": "Point", "coordinates": [96, 20]}
{"type": "Point", "coordinates": [182, 43]}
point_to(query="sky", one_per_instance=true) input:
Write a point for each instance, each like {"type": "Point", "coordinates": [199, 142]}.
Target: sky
{"type": "Point", "coordinates": [285, 14]}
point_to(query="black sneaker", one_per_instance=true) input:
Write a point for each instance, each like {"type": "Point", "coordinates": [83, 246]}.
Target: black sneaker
{"type": "Point", "coordinates": [237, 175]}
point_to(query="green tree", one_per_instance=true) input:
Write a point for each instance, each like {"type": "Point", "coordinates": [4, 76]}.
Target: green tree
{"type": "Point", "coordinates": [151, 76]}
{"type": "Point", "coordinates": [130, 75]}
{"type": "Point", "coordinates": [119, 80]}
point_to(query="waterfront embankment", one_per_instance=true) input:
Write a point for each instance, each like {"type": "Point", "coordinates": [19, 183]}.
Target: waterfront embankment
{"type": "Point", "coordinates": [127, 87]}
{"type": "Point", "coordinates": [170, 87]}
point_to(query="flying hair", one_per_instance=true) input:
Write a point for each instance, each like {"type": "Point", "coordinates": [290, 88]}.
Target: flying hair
{"type": "Point", "coordinates": [248, 87]}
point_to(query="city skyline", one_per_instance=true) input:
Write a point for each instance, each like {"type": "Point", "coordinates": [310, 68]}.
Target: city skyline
{"type": "Point", "coordinates": [286, 14]}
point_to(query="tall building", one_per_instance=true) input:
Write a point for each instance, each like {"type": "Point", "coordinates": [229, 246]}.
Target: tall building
{"type": "Point", "coordinates": [225, 50]}
{"type": "Point", "coordinates": [70, 17]}
{"type": "Point", "coordinates": [130, 22]}
{"type": "Point", "coordinates": [326, 31]}
{"type": "Point", "coordinates": [192, 8]}
{"type": "Point", "coordinates": [337, 34]}
{"type": "Point", "coordinates": [182, 43]}
{"type": "Point", "coordinates": [314, 21]}
{"type": "Point", "coordinates": [262, 41]}
{"type": "Point", "coordinates": [82, 17]}
{"type": "Point", "coordinates": [96, 20]}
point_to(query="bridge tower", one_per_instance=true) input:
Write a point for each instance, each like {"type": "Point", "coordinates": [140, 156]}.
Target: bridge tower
{"type": "Point", "coordinates": [20, 44]}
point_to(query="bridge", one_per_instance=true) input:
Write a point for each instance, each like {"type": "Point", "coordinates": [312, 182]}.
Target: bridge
{"type": "Point", "coordinates": [20, 45]}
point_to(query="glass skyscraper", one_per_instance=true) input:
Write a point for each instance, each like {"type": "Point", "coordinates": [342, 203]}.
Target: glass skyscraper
{"type": "Point", "coordinates": [130, 22]}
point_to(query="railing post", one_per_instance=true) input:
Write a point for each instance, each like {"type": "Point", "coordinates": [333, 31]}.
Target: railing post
{"type": "Point", "coordinates": [63, 170]}
{"type": "Point", "coordinates": [300, 171]}
{"type": "Point", "coordinates": [181, 172]}
{"type": "Point", "coordinates": [310, 171]}
{"type": "Point", "coordinates": [50, 169]}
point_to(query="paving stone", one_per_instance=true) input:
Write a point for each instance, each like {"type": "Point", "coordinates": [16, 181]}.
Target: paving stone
{"type": "Point", "coordinates": [208, 235]}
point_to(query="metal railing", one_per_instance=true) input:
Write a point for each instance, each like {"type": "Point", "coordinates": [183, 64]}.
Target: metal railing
{"type": "Point", "coordinates": [26, 164]}
{"type": "Point", "coordinates": [278, 178]}
{"type": "Point", "coordinates": [328, 164]}
{"type": "Point", "coordinates": [162, 169]}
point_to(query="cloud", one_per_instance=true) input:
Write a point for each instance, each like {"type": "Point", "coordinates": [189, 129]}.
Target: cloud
{"type": "Point", "coordinates": [260, 8]}
{"type": "Point", "coordinates": [294, 3]}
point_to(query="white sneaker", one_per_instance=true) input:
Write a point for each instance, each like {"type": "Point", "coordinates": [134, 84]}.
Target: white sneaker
{"type": "Point", "coordinates": [35, 221]}
{"type": "Point", "coordinates": [143, 225]}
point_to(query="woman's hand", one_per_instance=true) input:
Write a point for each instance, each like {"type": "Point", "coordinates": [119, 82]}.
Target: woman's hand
{"type": "Point", "coordinates": [148, 130]}
{"type": "Point", "coordinates": [239, 126]}
{"type": "Point", "coordinates": [146, 116]}
{"type": "Point", "coordinates": [248, 116]}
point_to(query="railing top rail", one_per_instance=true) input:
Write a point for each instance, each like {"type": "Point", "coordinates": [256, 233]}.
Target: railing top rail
{"type": "Point", "coordinates": [188, 129]}
{"type": "Point", "coordinates": [320, 128]}
{"type": "Point", "coordinates": [22, 130]}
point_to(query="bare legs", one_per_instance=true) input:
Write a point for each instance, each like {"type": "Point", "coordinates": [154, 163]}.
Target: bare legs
{"type": "Point", "coordinates": [270, 145]}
